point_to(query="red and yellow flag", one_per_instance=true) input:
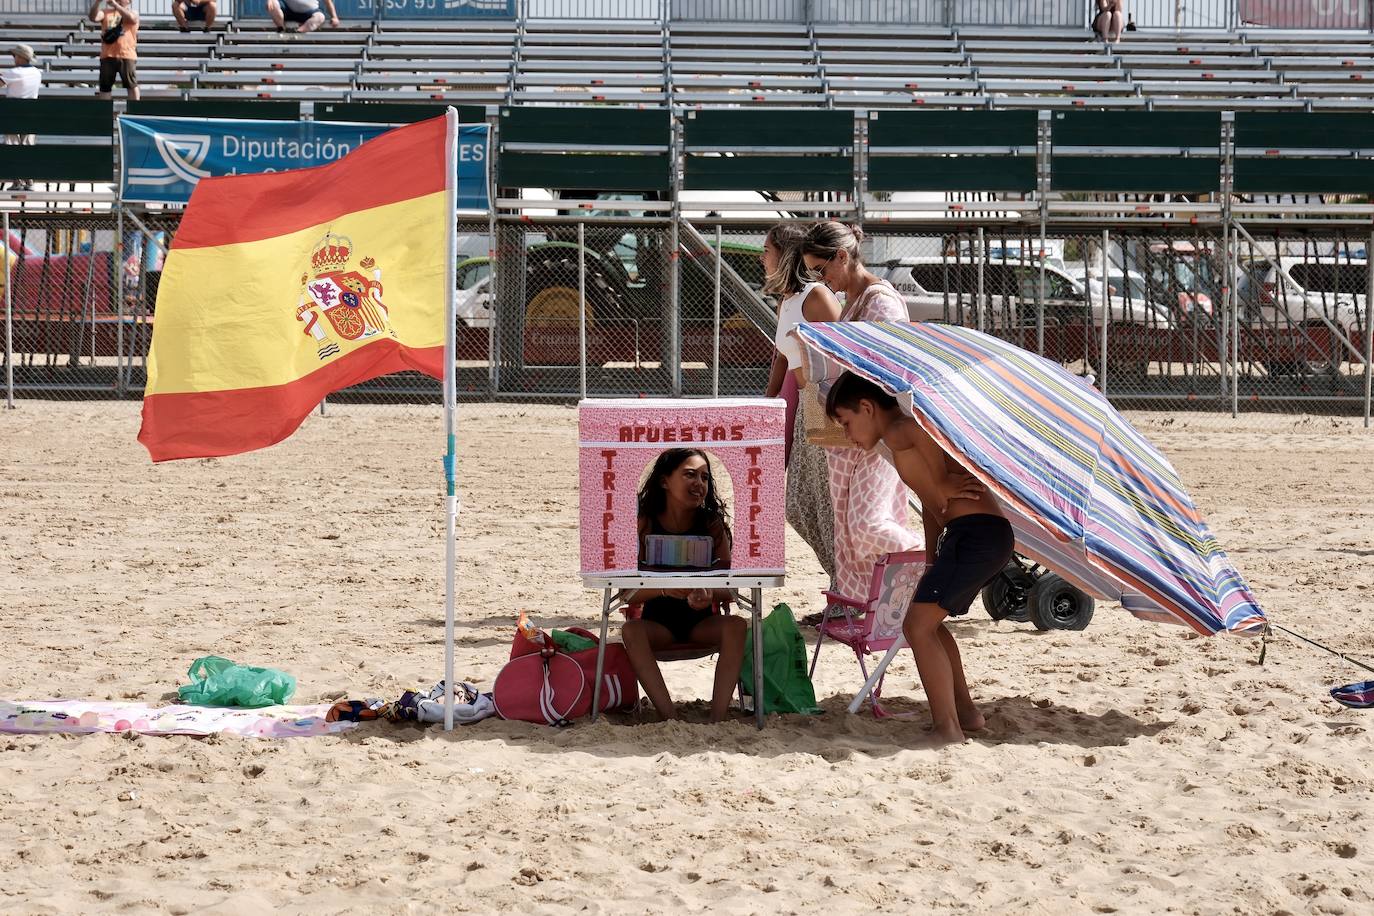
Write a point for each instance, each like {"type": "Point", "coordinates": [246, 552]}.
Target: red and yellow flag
{"type": "Point", "coordinates": [282, 287]}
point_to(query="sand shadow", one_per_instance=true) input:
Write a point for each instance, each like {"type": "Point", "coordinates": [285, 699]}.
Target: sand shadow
{"type": "Point", "coordinates": [466, 623]}
{"type": "Point", "coordinates": [833, 735]}
{"type": "Point", "coordinates": [1347, 551]}
{"type": "Point", "coordinates": [506, 622]}
{"type": "Point", "coordinates": [469, 642]}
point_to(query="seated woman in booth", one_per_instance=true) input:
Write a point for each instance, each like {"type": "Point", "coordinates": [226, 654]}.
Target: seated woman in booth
{"type": "Point", "coordinates": [679, 500]}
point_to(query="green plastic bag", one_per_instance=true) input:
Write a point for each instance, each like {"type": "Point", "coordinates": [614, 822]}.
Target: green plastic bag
{"type": "Point", "coordinates": [786, 685]}
{"type": "Point", "coordinates": [217, 681]}
{"type": "Point", "coordinates": [571, 642]}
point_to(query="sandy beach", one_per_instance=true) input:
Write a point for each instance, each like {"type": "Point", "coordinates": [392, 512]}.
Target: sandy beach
{"type": "Point", "coordinates": [1130, 768]}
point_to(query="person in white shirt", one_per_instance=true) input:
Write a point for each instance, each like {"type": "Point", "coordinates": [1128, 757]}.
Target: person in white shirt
{"type": "Point", "coordinates": [306, 14]}
{"type": "Point", "coordinates": [808, 508]}
{"type": "Point", "coordinates": [22, 81]}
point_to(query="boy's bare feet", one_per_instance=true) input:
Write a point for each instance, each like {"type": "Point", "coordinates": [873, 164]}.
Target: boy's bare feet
{"type": "Point", "coordinates": [948, 734]}
{"type": "Point", "coordinates": [971, 720]}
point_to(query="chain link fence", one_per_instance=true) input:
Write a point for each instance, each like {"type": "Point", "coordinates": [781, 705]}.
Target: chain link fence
{"type": "Point", "coordinates": [1278, 323]}
{"type": "Point", "coordinates": [1272, 320]}
{"type": "Point", "coordinates": [635, 341]}
{"type": "Point", "coordinates": [72, 313]}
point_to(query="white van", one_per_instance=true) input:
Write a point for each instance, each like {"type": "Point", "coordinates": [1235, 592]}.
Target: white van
{"type": "Point", "coordinates": [1011, 288]}
{"type": "Point", "coordinates": [1296, 289]}
{"type": "Point", "coordinates": [1130, 289]}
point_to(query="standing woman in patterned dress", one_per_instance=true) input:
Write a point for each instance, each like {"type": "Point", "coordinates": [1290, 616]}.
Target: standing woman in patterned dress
{"type": "Point", "coordinates": [808, 487]}
{"type": "Point", "coordinates": [869, 500]}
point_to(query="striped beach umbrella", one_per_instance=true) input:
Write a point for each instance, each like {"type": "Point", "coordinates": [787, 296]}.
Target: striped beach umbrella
{"type": "Point", "coordinates": [1356, 696]}
{"type": "Point", "coordinates": [1087, 495]}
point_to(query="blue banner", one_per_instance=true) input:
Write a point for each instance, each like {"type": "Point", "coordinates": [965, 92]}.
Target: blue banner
{"type": "Point", "coordinates": [162, 159]}
{"type": "Point", "coordinates": [355, 10]}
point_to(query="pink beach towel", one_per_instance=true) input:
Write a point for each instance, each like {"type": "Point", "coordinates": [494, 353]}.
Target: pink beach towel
{"type": "Point", "coordinates": [83, 717]}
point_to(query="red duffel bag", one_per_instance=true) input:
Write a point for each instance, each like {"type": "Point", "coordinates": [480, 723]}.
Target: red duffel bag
{"type": "Point", "coordinates": [545, 685]}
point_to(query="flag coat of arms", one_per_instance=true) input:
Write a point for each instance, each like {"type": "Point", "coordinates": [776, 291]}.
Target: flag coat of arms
{"type": "Point", "coordinates": [280, 288]}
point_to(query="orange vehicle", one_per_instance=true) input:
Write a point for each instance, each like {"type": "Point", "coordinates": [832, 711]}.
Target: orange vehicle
{"type": "Point", "coordinates": [63, 297]}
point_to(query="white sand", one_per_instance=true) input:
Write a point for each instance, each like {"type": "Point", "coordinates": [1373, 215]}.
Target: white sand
{"type": "Point", "coordinates": [1129, 768]}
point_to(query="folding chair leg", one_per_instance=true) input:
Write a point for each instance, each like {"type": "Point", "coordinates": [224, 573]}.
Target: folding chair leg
{"type": "Point", "coordinates": [876, 695]}
{"type": "Point", "coordinates": [876, 677]}
{"type": "Point", "coordinates": [820, 637]}
{"type": "Point", "coordinates": [872, 697]}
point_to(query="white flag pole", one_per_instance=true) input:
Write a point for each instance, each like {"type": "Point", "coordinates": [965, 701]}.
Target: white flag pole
{"type": "Point", "coordinates": [450, 407]}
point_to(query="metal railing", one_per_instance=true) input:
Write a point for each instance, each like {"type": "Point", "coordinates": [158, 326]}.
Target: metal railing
{"type": "Point", "coordinates": [634, 10]}
{"type": "Point", "coordinates": [1232, 15]}
{"type": "Point", "coordinates": [1181, 15]}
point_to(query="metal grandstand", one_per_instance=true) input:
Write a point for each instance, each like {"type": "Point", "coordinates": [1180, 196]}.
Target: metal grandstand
{"type": "Point", "coordinates": [944, 127]}
{"type": "Point", "coordinates": [764, 53]}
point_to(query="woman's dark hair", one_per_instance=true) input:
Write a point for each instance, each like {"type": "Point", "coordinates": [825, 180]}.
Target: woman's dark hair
{"type": "Point", "coordinates": [653, 500]}
{"type": "Point", "coordinates": [790, 276]}
{"type": "Point", "coordinates": [849, 389]}
{"type": "Point", "coordinates": [827, 238]}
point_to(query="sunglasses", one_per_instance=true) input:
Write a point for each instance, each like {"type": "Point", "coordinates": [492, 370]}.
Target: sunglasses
{"type": "Point", "coordinates": [815, 273]}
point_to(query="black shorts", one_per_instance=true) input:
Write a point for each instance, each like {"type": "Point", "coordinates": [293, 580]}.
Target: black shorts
{"type": "Point", "coordinates": [195, 13]}
{"type": "Point", "coordinates": [676, 614]}
{"type": "Point", "coordinates": [291, 15]}
{"type": "Point", "coordinates": [971, 551]}
{"type": "Point", "coordinates": [127, 70]}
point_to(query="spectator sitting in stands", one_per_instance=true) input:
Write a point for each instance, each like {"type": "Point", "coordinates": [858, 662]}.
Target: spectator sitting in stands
{"type": "Point", "coordinates": [189, 11]}
{"type": "Point", "coordinates": [1111, 15]}
{"type": "Point", "coordinates": [305, 13]}
{"type": "Point", "coordinates": [22, 81]}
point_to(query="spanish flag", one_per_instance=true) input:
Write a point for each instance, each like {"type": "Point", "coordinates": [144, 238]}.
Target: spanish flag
{"type": "Point", "coordinates": [282, 287]}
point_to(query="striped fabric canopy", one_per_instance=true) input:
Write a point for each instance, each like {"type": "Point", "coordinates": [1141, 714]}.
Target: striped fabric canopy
{"type": "Point", "coordinates": [1087, 495]}
{"type": "Point", "coordinates": [1356, 696]}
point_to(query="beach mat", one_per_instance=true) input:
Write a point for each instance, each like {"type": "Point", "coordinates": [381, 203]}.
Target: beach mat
{"type": "Point", "coordinates": [83, 717]}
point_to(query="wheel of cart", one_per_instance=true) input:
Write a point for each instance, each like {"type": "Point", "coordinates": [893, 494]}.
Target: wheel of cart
{"type": "Point", "coordinates": [1007, 597]}
{"type": "Point", "coordinates": [1027, 592]}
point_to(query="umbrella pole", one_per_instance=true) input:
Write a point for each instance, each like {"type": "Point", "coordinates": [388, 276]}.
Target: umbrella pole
{"type": "Point", "coordinates": [1313, 642]}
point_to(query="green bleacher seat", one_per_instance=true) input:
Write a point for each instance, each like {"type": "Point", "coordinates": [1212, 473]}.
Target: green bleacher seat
{"type": "Point", "coordinates": [1145, 151]}
{"type": "Point", "coordinates": [1307, 152]}
{"type": "Point", "coordinates": [584, 148]}
{"type": "Point", "coordinates": [797, 150]}
{"type": "Point", "coordinates": [952, 151]}
{"type": "Point", "coordinates": [57, 117]}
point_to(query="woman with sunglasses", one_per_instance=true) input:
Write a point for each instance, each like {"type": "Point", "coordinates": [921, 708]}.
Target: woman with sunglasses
{"type": "Point", "coordinates": [808, 486]}
{"type": "Point", "coordinates": [867, 497]}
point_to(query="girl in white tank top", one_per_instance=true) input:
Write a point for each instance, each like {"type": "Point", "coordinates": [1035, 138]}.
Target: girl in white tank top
{"type": "Point", "coordinates": [789, 316]}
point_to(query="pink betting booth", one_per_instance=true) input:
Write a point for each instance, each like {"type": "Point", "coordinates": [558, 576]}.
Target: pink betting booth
{"type": "Point", "coordinates": [618, 442]}
{"type": "Point", "coordinates": [619, 439]}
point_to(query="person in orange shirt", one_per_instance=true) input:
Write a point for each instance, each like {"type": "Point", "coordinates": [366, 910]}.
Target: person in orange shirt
{"type": "Point", "coordinates": [118, 46]}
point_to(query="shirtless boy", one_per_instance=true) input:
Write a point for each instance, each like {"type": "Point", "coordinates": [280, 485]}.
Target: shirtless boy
{"type": "Point", "coordinates": [973, 542]}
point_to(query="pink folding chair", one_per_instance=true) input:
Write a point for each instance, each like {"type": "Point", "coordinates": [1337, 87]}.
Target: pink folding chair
{"type": "Point", "coordinates": [874, 623]}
